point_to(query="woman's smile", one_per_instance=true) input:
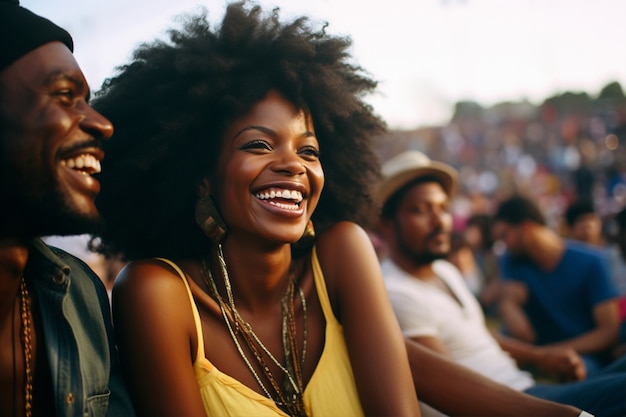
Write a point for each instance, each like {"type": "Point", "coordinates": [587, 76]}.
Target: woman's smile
{"type": "Point", "coordinates": [285, 199]}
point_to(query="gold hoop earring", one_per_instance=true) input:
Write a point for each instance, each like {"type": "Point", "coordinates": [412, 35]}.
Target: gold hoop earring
{"type": "Point", "coordinates": [209, 219]}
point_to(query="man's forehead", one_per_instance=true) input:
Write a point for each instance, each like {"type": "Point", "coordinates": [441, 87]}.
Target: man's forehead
{"type": "Point", "coordinates": [46, 64]}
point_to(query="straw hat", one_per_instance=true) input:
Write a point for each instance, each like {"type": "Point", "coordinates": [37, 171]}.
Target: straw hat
{"type": "Point", "coordinates": [409, 165]}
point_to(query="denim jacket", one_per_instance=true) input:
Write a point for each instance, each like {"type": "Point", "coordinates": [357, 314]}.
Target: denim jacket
{"type": "Point", "coordinates": [78, 334]}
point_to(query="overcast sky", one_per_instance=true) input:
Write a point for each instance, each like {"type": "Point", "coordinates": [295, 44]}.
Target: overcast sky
{"type": "Point", "coordinates": [426, 54]}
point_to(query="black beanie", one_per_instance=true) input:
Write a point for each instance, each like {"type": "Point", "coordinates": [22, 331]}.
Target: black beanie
{"type": "Point", "coordinates": [21, 31]}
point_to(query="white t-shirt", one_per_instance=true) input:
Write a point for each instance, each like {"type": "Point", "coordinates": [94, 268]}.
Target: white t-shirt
{"type": "Point", "coordinates": [425, 310]}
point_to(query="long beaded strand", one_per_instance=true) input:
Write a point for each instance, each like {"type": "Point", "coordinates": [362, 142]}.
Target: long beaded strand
{"type": "Point", "coordinates": [27, 340]}
{"type": "Point", "coordinates": [227, 319]}
{"type": "Point", "coordinates": [293, 404]}
{"type": "Point", "coordinates": [241, 321]}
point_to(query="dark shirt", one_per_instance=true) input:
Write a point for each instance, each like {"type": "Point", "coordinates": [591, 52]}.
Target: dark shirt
{"type": "Point", "coordinates": [76, 321]}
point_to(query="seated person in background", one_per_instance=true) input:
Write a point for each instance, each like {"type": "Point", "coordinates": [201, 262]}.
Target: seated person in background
{"type": "Point", "coordinates": [478, 235]}
{"type": "Point", "coordinates": [435, 308]}
{"type": "Point", "coordinates": [462, 256]}
{"type": "Point", "coordinates": [620, 245]}
{"type": "Point", "coordinates": [618, 270]}
{"type": "Point", "coordinates": [555, 292]}
{"type": "Point", "coordinates": [583, 223]}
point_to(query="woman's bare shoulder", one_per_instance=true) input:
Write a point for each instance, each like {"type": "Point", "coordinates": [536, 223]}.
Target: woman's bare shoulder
{"type": "Point", "coordinates": [148, 278]}
{"type": "Point", "coordinates": [343, 240]}
{"type": "Point", "coordinates": [346, 256]}
{"type": "Point", "coordinates": [339, 234]}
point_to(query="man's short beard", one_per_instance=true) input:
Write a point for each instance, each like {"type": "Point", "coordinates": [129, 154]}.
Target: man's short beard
{"type": "Point", "coordinates": [417, 258]}
{"type": "Point", "coordinates": [420, 258]}
{"type": "Point", "coordinates": [425, 258]}
{"type": "Point", "coordinates": [65, 224]}
{"type": "Point", "coordinates": [53, 215]}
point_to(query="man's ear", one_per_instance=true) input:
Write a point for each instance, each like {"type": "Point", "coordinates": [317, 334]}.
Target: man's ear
{"type": "Point", "coordinates": [204, 188]}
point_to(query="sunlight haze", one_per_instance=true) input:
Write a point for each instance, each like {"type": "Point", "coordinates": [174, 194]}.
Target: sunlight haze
{"type": "Point", "coordinates": [426, 54]}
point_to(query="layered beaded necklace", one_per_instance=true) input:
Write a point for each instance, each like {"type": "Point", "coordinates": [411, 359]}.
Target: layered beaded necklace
{"type": "Point", "coordinates": [26, 340]}
{"type": "Point", "coordinates": [290, 397]}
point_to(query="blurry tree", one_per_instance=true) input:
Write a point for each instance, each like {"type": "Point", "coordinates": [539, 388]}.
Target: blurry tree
{"type": "Point", "coordinates": [612, 91]}
{"type": "Point", "coordinates": [467, 110]}
{"type": "Point", "coordinates": [570, 103]}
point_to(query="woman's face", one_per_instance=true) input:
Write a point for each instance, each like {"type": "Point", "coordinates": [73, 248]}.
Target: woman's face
{"type": "Point", "coordinates": [269, 176]}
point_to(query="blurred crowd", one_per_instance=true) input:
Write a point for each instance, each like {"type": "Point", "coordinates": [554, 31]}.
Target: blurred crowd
{"type": "Point", "coordinates": [243, 249]}
{"type": "Point", "coordinates": [568, 149]}
{"type": "Point", "coordinates": [566, 153]}
{"type": "Point", "coordinates": [570, 146]}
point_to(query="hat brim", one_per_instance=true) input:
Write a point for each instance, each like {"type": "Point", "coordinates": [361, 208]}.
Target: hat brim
{"type": "Point", "coordinates": [446, 175]}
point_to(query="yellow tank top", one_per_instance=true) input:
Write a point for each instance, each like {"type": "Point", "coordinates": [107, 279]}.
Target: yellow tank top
{"type": "Point", "coordinates": [331, 390]}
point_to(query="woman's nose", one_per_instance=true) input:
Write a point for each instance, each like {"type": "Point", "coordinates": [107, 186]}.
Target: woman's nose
{"type": "Point", "coordinates": [289, 162]}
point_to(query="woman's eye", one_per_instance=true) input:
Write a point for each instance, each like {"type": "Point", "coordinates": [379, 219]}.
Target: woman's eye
{"type": "Point", "coordinates": [310, 152]}
{"type": "Point", "coordinates": [256, 144]}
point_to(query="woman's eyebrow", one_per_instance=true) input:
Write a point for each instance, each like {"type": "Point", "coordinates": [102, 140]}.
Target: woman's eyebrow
{"type": "Point", "coordinates": [269, 131]}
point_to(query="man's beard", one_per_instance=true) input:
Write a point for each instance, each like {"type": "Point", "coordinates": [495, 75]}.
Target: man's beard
{"type": "Point", "coordinates": [53, 214]}
{"type": "Point", "coordinates": [66, 223]}
{"type": "Point", "coordinates": [424, 257]}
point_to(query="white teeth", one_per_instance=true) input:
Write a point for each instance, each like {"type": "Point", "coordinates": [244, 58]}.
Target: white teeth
{"type": "Point", "coordinates": [284, 206]}
{"type": "Point", "coordinates": [286, 194]}
{"type": "Point", "coordinates": [86, 163]}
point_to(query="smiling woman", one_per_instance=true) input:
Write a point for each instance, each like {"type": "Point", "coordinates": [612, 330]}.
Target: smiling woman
{"type": "Point", "coordinates": [269, 154]}
{"type": "Point", "coordinates": [230, 144]}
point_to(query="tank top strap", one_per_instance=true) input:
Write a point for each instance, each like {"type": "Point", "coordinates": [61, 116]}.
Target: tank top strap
{"type": "Point", "coordinates": [320, 285]}
{"type": "Point", "coordinates": [194, 309]}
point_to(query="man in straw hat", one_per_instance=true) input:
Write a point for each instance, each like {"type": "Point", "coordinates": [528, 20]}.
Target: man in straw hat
{"type": "Point", "coordinates": [58, 357]}
{"type": "Point", "coordinates": [434, 305]}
